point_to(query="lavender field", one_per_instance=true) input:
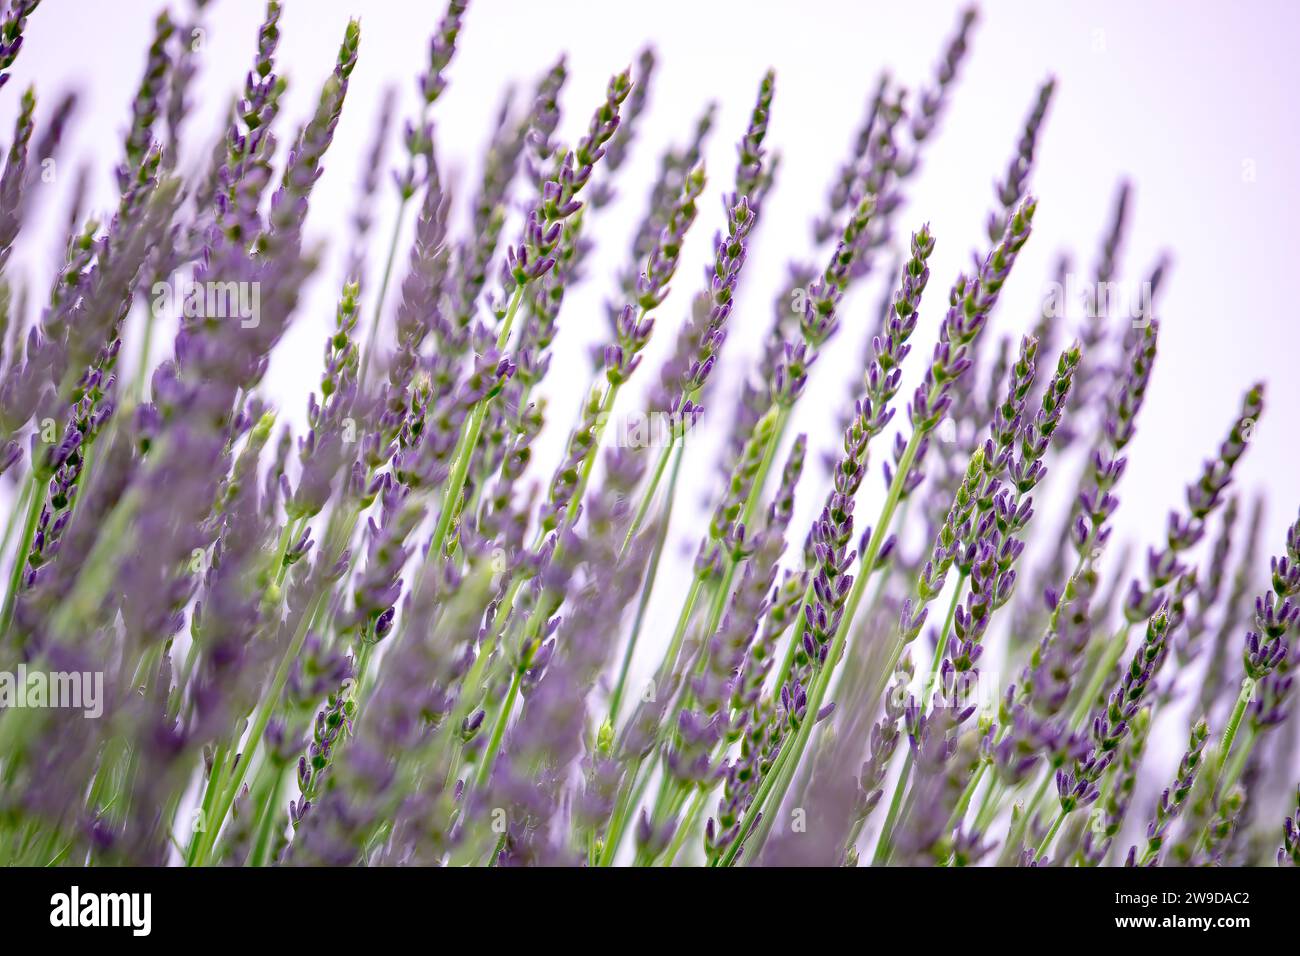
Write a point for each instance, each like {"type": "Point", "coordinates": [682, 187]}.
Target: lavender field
{"type": "Point", "coordinates": [560, 445]}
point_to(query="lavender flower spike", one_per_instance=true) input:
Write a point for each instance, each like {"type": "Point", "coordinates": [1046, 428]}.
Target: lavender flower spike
{"type": "Point", "coordinates": [1171, 801]}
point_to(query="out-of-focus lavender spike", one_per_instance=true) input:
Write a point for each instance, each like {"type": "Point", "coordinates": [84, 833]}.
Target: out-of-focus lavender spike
{"type": "Point", "coordinates": [1188, 641]}
{"type": "Point", "coordinates": [303, 168]}
{"type": "Point", "coordinates": [1203, 498]}
{"type": "Point", "coordinates": [818, 315]}
{"type": "Point", "coordinates": [1234, 614]}
{"type": "Point", "coordinates": [148, 99]}
{"type": "Point", "coordinates": [15, 179]}
{"type": "Point", "coordinates": [674, 165]}
{"type": "Point", "coordinates": [1094, 378]}
{"type": "Point", "coordinates": [933, 99]}
{"type": "Point", "coordinates": [1012, 188]}
{"type": "Point", "coordinates": [603, 192]}
{"type": "Point", "coordinates": [189, 36]}
{"type": "Point", "coordinates": [475, 253]}
{"type": "Point", "coordinates": [362, 217]}
{"type": "Point", "coordinates": [1171, 801]}
{"type": "Point", "coordinates": [547, 739]}
{"type": "Point", "coordinates": [841, 191]}
{"type": "Point", "coordinates": [884, 740]}
{"type": "Point", "coordinates": [442, 47]}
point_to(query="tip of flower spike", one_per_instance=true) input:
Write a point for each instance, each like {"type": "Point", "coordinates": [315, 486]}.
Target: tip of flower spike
{"type": "Point", "coordinates": [262, 430]}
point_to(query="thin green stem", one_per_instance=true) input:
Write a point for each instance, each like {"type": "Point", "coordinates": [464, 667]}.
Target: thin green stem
{"type": "Point", "coordinates": [941, 645]}
{"type": "Point", "coordinates": [268, 816]}
{"type": "Point", "coordinates": [598, 433]}
{"type": "Point", "coordinates": [627, 802]}
{"type": "Point", "coordinates": [883, 845]}
{"type": "Point", "coordinates": [765, 466]}
{"type": "Point", "coordinates": [372, 338]}
{"type": "Point", "coordinates": [683, 622]}
{"type": "Point", "coordinates": [778, 778]}
{"type": "Point", "coordinates": [686, 828]}
{"type": "Point", "coordinates": [466, 444]}
{"type": "Point", "coordinates": [11, 523]}
{"type": "Point", "coordinates": [1232, 773]}
{"type": "Point", "coordinates": [228, 791]}
{"type": "Point", "coordinates": [498, 731]}
{"type": "Point", "coordinates": [647, 497]}
{"type": "Point", "coordinates": [1016, 837]}
{"type": "Point", "coordinates": [622, 816]}
{"type": "Point", "coordinates": [616, 698]}
{"type": "Point", "coordinates": [142, 367]}
{"type": "Point", "coordinates": [215, 775]}
{"type": "Point", "coordinates": [992, 797]}
{"type": "Point", "coordinates": [36, 501]}
{"type": "Point", "coordinates": [1051, 834]}
{"type": "Point", "coordinates": [1222, 783]}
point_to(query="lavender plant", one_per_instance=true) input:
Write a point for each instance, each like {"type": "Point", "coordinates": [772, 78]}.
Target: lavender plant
{"type": "Point", "coordinates": [396, 635]}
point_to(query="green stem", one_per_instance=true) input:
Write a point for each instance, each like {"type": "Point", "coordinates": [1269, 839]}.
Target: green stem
{"type": "Point", "coordinates": [942, 644]}
{"type": "Point", "coordinates": [683, 622]}
{"type": "Point", "coordinates": [1222, 783]}
{"type": "Point", "coordinates": [205, 808]}
{"type": "Point", "coordinates": [648, 495]}
{"type": "Point", "coordinates": [269, 814]}
{"type": "Point", "coordinates": [883, 844]}
{"type": "Point", "coordinates": [588, 462]}
{"type": "Point", "coordinates": [895, 804]}
{"type": "Point", "coordinates": [11, 523]}
{"type": "Point", "coordinates": [466, 444]}
{"type": "Point", "coordinates": [616, 699]}
{"type": "Point", "coordinates": [765, 466]}
{"type": "Point", "coordinates": [622, 816]}
{"type": "Point", "coordinates": [498, 730]}
{"type": "Point", "coordinates": [842, 686]}
{"type": "Point", "coordinates": [1051, 834]}
{"type": "Point", "coordinates": [628, 801]}
{"type": "Point", "coordinates": [778, 778]}
{"type": "Point", "coordinates": [35, 503]}
{"type": "Point", "coordinates": [984, 816]}
{"type": "Point", "coordinates": [230, 790]}
{"type": "Point", "coordinates": [292, 529]}
{"type": "Point", "coordinates": [686, 827]}
{"type": "Point", "coordinates": [1017, 835]}
{"type": "Point", "coordinates": [1235, 767]}
{"type": "Point", "coordinates": [142, 369]}
{"type": "Point", "coordinates": [372, 337]}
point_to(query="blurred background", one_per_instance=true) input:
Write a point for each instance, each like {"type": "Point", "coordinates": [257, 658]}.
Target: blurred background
{"type": "Point", "coordinates": [1192, 102]}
